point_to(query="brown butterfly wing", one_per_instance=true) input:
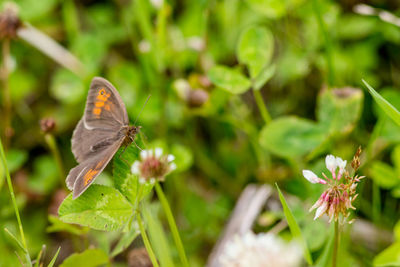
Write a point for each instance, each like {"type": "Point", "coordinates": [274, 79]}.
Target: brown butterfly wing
{"type": "Point", "coordinates": [86, 143]}
{"type": "Point", "coordinates": [83, 175]}
{"type": "Point", "coordinates": [98, 134]}
{"type": "Point", "coordinates": [104, 107]}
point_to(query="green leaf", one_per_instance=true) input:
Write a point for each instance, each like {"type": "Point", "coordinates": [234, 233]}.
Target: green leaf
{"type": "Point", "coordinates": [263, 77]}
{"type": "Point", "coordinates": [255, 49]}
{"type": "Point", "coordinates": [268, 8]}
{"type": "Point", "coordinates": [56, 225]}
{"type": "Point", "coordinates": [127, 183]}
{"type": "Point", "coordinates": [100, 207]}
{"type": "Point", "coordinates": [126, 239]}
{"type": "Point", "coordinates": [53, 260]}
{"type": "Point", "coordinates": [13, 237]}
{"type": "Point", "coordinates": [388, 108]}
{"type": "Point", "coordinates": [294, 227]}
{"type": "Point", "coordinates": [291, 137]}
{"type": "Point", "coordinates": [388, 257]}
{"type": "Point", "coordinates": [158, 238]}
{"type": "Point", "coordinates": [340, 109]}
{"type": "Point", "coordinates": [384, 175]}
{"type": "Point", "coordinates": [229, 79]}
{"type": "Point", "coordinates": [123, 180]}
{"type": "Point", "coordinates": [88, 258]}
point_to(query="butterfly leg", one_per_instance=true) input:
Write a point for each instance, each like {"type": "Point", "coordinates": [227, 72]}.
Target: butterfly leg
{"type": "Point", "coordinates": [133, 141]}
{"type": "Point", "coordinates": [120, 154]}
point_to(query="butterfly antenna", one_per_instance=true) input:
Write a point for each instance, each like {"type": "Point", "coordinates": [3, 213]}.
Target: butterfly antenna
{"type": "Point", "coordinates": [140, 112]}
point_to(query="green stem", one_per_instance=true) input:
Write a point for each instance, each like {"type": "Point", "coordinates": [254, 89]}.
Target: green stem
{"type": "Point", "coordinates": [51, 142]}
{"type": "Point", "coordinates": [261, 106]}
{"type": "Point", "coordinates": [172, 224]}
{"type": "Point", "coordinates": [328, 44]}
{"type": "Point", "coordinates": [335, 244]}
{"type": "Point", "coordinates": [146, 241]}
{"type": "Point", "coordinates": [6, 89]}
{"type": "Point", "coordinates": [10, 187]}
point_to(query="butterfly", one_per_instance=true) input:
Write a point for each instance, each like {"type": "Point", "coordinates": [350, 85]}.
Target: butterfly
{"type": "Point", "coordinates": [103, 129]}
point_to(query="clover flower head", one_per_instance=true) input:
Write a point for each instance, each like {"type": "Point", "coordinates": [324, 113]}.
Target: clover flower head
{"type": "Point", "coordinates": [337, 199]}
{"type": "Point", "coordinates": [153, 165]}
{"type": "Point", "coordinates": [258, 250]}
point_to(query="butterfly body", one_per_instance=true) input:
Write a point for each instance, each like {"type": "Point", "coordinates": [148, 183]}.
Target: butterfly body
{"type": "Point", "coordinates": [98, 135]}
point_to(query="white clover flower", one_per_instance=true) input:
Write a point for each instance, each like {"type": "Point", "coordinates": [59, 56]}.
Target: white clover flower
{"type": "Point", "coordinates": [260, 250]}
{"type": "Point", "coordinates": [153, 165]}
{"type": "Point", "coordinates": [338, 197]}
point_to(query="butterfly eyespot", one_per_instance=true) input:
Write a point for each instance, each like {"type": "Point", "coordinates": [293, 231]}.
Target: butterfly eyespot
{"type": "Point", "coordinates": [102, 91]}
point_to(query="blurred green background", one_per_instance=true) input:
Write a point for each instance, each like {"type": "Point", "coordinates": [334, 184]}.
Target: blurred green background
{"type": "Point", "coordinates": [242, 91]}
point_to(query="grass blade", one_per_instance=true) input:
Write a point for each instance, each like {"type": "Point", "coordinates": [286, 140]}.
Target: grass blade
{"type": "Point", "coordinates": [388, 108]}
{"type": "Point", "coordinates": [15, 239]}
{"type": "Point", "coordinates": [54, 258]}
{"type": "Point", "coordinates": [294, 227]}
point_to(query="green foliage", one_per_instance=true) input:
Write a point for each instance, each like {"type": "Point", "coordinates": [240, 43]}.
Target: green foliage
{"type": "Point", "coordinates": [291, 137]}
{"type": "Point", "coordinates": [125, 240]}
{"type": "Point", "coordinates": [90, 257]}
{"type": "Point", "coordinates": [294, 227]}
{"type": "Point", "coordinates": [255, 49]}
{"type": "Point", "coordinates": [157, 236]}
{"type": "Point", "coordinates": [101, 208]}
{"type": "Point", "coordinates": [390, 111]}
{"type": "Point", "coordinates": [339, 110]}
{"type": "Point", "coordinates": [229, 79]}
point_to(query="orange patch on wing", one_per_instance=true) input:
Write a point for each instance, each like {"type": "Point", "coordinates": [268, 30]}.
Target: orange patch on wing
{"type": "Point", "coordinates": [99, 164]}
{"type": "Point", "coordinates": [99, 104]}
{"type": "Point", "coordinates": [107, 107]}
{"type": "Point", "coordinates": [102, 95]}
{"type": "Point", "coordinates": [96, 111]}
{"type": "Point", "coordinates": [89, 176]}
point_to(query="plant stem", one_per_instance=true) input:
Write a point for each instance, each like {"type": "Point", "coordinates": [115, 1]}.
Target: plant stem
{"type": "Point", "coordinates": [328, 44]}
{"type": "Point", "coordinates": [172, 224]}
{"type": "Point", "coordinates": [335, 244]}
{"type": "Point", "coordinates": [146, 241]}
{"type": "Point", "coordinates": [6, 89]}
{"type": "Point", "coordinates": [51, 142]}
{"type": "Point", "coordinates": [261, 106]}
{"type": "Point", "coordinates": [10, 187]}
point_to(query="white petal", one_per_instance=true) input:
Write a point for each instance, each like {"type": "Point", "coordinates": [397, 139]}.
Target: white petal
{"type": "Point", "coordinates": [172, 166]}
{"type": "Point", "coordinates": [321, 210]}
{"type": "Point", "coordinates": [142, 180]}
{"type": "Point", "coordinates": [341, 163]}
{"type": "Point", "coordinates": [135, 167]}
{"type": "Point", "coordinates": [144, 154]}
{"type": "Point", "coordinates": [152, 181]}
{"type": "Point", "coordinates": [330, 162]}
{"type": "Point", "coordinates": [158, 152]}
{"type": "Point", "coordinates": [170, 158]}
{"type": "Point", "coordinates": [311, 177]}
